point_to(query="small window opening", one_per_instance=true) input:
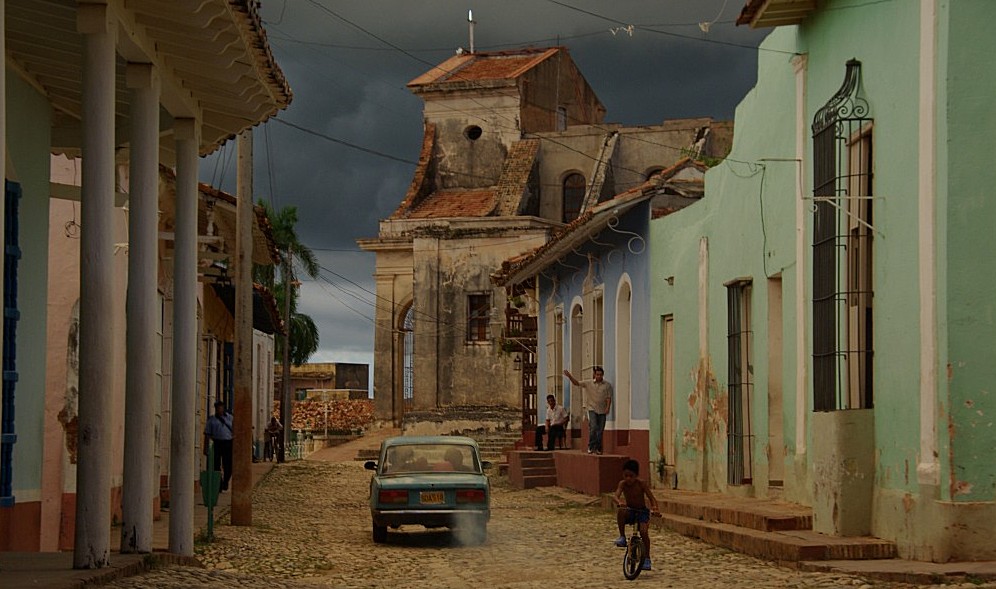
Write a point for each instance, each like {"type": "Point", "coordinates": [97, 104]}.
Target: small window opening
{"type": "Point", "coordinates": [473, 132]}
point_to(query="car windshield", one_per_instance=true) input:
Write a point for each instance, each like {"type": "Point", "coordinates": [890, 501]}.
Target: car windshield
{"type": "Point", "coordinates": [430, 458]}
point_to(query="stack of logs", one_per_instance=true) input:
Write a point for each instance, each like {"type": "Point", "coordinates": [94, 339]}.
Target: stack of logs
{"type": "Point", "coordinates": [343, 415]}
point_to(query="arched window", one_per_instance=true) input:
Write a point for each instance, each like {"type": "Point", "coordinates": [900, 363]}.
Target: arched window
{"type": "Point", "coordinates": [573, 196]}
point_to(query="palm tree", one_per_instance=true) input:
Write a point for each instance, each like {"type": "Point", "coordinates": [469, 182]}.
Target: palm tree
{"type": "Point", "coordinates": [303, 333]}
{"type": "Point", "coordinates": [301, 340]}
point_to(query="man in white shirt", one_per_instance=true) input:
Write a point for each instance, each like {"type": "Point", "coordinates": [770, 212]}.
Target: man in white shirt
{"type": "Point", "coordinates": [598, 396]}
{"type": "Point", "coordinates": [556, 419]}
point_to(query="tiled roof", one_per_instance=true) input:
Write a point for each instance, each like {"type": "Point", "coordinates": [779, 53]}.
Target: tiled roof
{"type": "Point", "coordinates": [514, 178]}
{"type": "Point", "coordinates": [475, 67]}
{"type": "Point", "coordinates": [455, 203]}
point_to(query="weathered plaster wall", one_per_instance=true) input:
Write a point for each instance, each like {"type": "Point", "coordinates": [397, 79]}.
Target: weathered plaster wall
{"type": "Point", "coordinates": [748, 230]}
{"type": "Point", "coordinates": [570, 151]}
{"type": "Point", "coordinates": [638, 150]}
{"type": "Point", "coordinates": [557, 82]}
{"type": "Point", "coordinates": [449, 369]}
{"type": "Point", "coordinates": [965, 192]}
{"type": "Point", "coordinates": [28, 121]}
{"type": "Point", "coordinates": [393, 277]}
{"type": "Point", "coordinates": [843, 458]}
{"type": "Point", "coordinates": [461, 162]}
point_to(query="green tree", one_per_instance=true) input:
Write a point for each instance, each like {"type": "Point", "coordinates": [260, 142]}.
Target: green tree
{"type": "Point", "coordinates": [303, 333]}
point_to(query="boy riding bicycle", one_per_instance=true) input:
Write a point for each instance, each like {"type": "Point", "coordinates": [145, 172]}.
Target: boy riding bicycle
{"type": "Point", "coordinates": [631, 496]}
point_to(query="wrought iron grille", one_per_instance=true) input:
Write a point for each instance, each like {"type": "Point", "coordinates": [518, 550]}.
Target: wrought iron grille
{"type": "Point", "coordinates": [842, 249]}
{"type": "Point", "coordinates": [11, 317]}
{"type": "Point", "coordinates": [408, 358]}
{"type": "Point", "coordinates": [741, 385]}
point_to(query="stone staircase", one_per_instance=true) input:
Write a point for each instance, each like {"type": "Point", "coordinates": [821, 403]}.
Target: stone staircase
{"type": "Point", "coordinates": [538, 470]}
{"type": "Point", "coordinates": [769, 529]}
{"type": "Point", "coordinates": [495, 444]}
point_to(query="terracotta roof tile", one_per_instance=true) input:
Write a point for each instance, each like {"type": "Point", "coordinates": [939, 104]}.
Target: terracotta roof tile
{"type": "Point", "coordinates": [475, 67]}
{"type": "Point", "coordinates": [456, 203]}
{"type": "Point", "coordinates": [515, 176]}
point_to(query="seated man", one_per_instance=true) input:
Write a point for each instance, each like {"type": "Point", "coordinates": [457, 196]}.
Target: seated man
{"type": "Point", "coordinates": [556, 419]}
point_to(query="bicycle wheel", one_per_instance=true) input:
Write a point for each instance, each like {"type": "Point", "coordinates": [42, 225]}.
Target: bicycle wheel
{"type": "Point", "coordinates": [633, 560]}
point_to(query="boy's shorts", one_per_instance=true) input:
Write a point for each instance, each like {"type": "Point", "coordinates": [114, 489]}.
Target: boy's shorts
{"type": "Point", "coordinates": [640, 516]}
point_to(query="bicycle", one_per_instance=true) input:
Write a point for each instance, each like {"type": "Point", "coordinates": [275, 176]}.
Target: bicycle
{"type": "Point", "coordinates": [636, 552]}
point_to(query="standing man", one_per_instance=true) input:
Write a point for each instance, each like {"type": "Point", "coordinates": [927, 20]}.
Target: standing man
{"type": "Point", "coordinates": [556, 419]}
{"type": "Point", "coordinates": [219, 429]}
{"type": "Point", "coordinates": [598, 397]}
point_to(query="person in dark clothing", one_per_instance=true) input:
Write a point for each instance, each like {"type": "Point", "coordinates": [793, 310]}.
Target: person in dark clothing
{"type": "Point", "coordinates": [219, 430]}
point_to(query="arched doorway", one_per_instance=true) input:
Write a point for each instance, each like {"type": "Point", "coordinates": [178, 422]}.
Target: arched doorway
{"type": "Point", "coordinates": [623, 384]}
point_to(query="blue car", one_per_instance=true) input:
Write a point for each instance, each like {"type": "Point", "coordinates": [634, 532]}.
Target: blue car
{"type": "Point", "coordinates": [433, 481]}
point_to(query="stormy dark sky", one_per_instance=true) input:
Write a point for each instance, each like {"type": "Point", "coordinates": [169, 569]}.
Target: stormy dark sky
{"type": "Point", "coordinates": [343, 153]}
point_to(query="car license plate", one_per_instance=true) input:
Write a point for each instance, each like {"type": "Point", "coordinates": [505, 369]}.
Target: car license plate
{"type": "Point", "coordinates": [431, 497]}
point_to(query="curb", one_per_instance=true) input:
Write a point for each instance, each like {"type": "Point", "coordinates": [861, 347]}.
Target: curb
{"type": "Point", "coordinates": [149, 562]}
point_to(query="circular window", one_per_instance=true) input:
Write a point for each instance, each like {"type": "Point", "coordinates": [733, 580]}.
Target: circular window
{"type": "Point", "coordinates": [473, 132]}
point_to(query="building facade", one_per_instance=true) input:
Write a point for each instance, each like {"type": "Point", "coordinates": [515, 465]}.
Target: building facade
{"type": "Point", "coordinates": [515, 148]}
{"type": "Point", "coordinates": [819, 320]}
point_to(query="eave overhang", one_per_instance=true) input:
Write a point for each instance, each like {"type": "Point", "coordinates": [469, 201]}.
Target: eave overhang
{"type": "Point", "coordinates": [775, 13]}
{"type": "Point", "coordinates": [211, 57]}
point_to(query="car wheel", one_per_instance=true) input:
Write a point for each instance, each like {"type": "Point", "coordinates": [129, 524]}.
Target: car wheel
{"type": "Point", "coordinates": [379, 534]}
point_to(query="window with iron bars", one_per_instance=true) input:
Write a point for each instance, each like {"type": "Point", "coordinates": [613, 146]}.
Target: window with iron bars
{"type": "Point", "coordinates": [478, 317]}
{"type": "Point", "coordinates": [740, 364]}
{"type": "Point", "coordinates": [843, 240]}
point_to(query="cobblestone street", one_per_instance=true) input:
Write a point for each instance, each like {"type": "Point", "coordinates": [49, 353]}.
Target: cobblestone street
{"type": "Point", "coordinates": [311, 528]}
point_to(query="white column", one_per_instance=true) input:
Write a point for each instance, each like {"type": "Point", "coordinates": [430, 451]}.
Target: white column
{"type": "Point", "coordinates": [705, 364]}
{"type": "Point", "coordinates": [801, 384]}
{"type": "Point", "coordinates": [93, 475]}
{"type": "Point", "coordinates": [928, 468]}
{"type": "Point", "coordinates": [182, 463]}
{"type": "Point", "coordinates": [139, 485]}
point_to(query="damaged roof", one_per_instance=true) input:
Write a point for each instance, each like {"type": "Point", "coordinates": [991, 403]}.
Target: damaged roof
{"type": "Point", "coordinates": [480, 67]}
{"type": "Point", "coordinates": [666, 197]}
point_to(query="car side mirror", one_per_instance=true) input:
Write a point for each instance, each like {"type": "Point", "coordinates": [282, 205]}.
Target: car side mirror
{"type": "Point", "coordinates": [370, 465]}
{"type": "Point", "coordinates": [486, 464]}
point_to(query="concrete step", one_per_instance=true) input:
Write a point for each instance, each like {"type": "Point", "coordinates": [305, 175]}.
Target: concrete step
{"type": "Point", "coordinates": [367, 454]}
{"type": "Point", "coordinates": [540, 471]}
{"type": "Point", "coordinates": [539, 460]}
{"type": "Point", "coordinates": [766, 515]}
{"type": "Point", "coordinates": [788, 546]}
{"type": "Point", "coordinates": [764, 518]}
{"type": "Point", "coordinates": [544, 480]}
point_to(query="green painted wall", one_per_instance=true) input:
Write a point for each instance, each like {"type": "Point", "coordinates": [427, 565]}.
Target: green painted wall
{"type": "Point", "coordinates": [751, 233]}
{"type": "Point", "coordinates": [885, 38]}
{"type": "Point", "coordinates": [743, 242]}
{"type": "Point", "coordinates": [967, 191]}
{"type": "Point", "coordinates": [28, 145]}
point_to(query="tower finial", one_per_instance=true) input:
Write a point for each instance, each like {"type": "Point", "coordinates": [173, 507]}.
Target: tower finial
{"type": "Point", "coordinates": [470, 25]}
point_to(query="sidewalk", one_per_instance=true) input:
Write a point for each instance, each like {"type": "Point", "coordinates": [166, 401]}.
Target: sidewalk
{"type": "Point", "coordinates": [54, 570]}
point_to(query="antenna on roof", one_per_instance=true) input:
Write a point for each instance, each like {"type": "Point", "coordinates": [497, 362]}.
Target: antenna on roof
{"type": "Point", "coordinates": [470, 25]}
